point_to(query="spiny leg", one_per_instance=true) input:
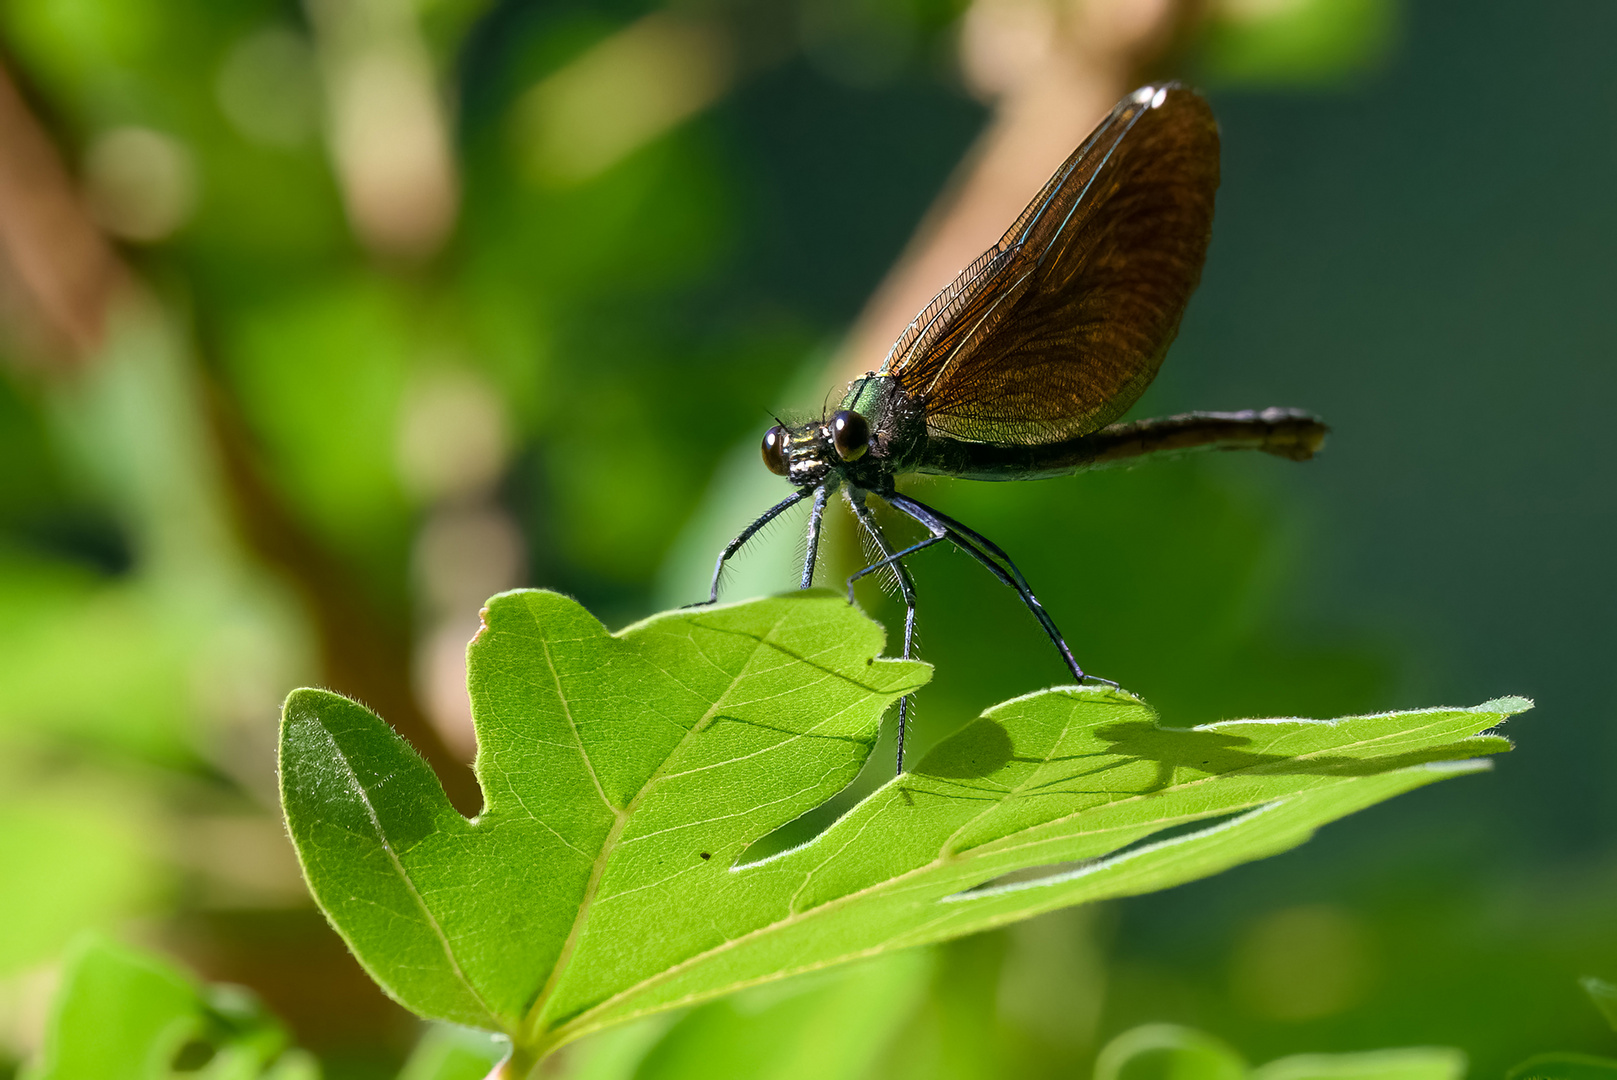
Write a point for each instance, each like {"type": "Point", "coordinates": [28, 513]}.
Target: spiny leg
{"type": "Point", "coordinates": [856, 499]}
{"type": "Point", "coordinates": [967, 540]}
{"type": "Point", "coordinates": [893, 559]}
{"type": "Point", "coordinates": [816, 515]}
{"type": "Point", "coordinates": [747, 534]}
{"type": "Point", "coordinates": [940, 528]}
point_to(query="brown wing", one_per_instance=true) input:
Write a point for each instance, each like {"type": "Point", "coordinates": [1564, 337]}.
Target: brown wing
{"type": "Point", "coordinates": [1057, 329]}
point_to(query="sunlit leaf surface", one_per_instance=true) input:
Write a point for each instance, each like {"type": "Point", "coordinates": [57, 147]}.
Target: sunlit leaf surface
{"type": "Point", "coordinates": [626, 776]}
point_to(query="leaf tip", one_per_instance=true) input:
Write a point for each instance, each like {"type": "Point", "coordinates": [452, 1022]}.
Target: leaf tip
{"type": "Point", "coordinates": [306, 702]}
{"type": "Point", "coordinates": [1509, 705]}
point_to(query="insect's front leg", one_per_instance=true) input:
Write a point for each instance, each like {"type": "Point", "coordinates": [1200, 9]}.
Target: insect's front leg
{"type": "Point", "coordinates": [816, 516]}
{"type": "Point", "coordinates": [747, 534]}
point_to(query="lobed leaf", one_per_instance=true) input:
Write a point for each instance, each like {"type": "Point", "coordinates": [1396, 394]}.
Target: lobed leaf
{"type": "Point", "coordinates": [626, 774]}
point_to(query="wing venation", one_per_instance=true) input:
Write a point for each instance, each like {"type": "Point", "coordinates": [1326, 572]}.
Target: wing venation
{"type": "Point", "coordinates": [1057, 329]}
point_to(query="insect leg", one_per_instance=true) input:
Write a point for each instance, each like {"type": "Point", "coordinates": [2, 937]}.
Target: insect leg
{"type": "Point", "coordinates": [907, 587]}
{"type": "Point", "coordinates": [968, 541]}
{"type": "Point", "coordinates": [981, 541]}
{"type": "Point", "coordinates": [816, 515]}
{"type": "Point", "coordinates": [747, 534]}
{"type": "Point", "coordinates": [893, 560]}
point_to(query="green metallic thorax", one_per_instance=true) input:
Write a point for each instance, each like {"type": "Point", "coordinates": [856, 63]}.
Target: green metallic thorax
{"type": "Point", "coordinates": [898, 431]}
{"type": "Point", "coordinates": [869, 394]}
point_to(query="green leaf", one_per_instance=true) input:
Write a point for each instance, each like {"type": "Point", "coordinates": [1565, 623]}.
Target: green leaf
{"type": "Point", "coordinates": [1168, 1052]}
{"type": "Point", "coordinates": [627, 774]}
{"type": "Point", "coordinates": [1604, 995]}
{"type": "Point", "coordinates": [828, 1026]}
{"type": "Point", "coordinates": [1412, 1063]}
{"type": "Point", "coordinates": [446, 1052]}
{"type": "Point", "coordinates": [123, 1015]}
{"type": "Point", "coordinates": [117, 1014]}
{"type": "Point", "coordinates": [1565, 1067]}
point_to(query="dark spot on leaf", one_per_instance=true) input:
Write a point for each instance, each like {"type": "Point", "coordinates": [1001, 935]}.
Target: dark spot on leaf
{"type": "Point", "coordinates": [707, 855]}
{"type": "Point", "coordinates": [980, 748]}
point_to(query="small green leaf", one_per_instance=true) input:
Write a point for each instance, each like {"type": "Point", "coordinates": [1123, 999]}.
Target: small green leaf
{"type": "Point", "coordinates": [1168, 1052]}
{"type": "Point", "coordinates": [122, 1015]}
{"type": "Point", "coordinates": [1604, 995]}
{"type": "Point", "coordinates": [1565, 1067]}
{"type": "Point", "coordinates": [830, 1026]}
{"type": "Point", "coordinates": [1413, 1063]}
{"type": "Point", "coordinates": [627, 774]}
{"type": "Point", "coordinates": [118, 1014]}
{"type": "Point", "coordinates": [447, 1052]}
{"type": "Point", "coordinates": [294, 1065]}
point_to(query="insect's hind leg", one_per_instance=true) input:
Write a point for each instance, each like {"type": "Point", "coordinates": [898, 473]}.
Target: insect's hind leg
{"type": "Point", "coordinates": [968, 541]}
{"type": "Point", "coordinates": [906, 586]}
{"type": "Point", "coordinates": [747, 534]}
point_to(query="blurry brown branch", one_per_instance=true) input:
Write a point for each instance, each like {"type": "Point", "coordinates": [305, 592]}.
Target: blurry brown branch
{"type": "Point", "coordinates": [58, 274]}
{"type": "Point", "coordinates": [1053, 68]}
{"type": "Point", "coordinates": [66, 277]}
{"type": "Point", "coordinates": [362, 653]}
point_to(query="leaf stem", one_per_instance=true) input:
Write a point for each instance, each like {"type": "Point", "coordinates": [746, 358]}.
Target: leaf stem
{"type": "Point", "coordinates": [520, 1065]}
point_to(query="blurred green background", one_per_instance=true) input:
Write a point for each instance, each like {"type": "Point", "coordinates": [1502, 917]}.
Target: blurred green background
{"type": "Point", "coordinates": [320, 323]}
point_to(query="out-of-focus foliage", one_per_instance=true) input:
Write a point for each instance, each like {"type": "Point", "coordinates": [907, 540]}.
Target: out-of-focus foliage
{"type": "Point", "coordinates": [124, 1015]}
{"type": "Point", "coordinates": [1307, 42]}
{"type": "Point", "coordinates": [1565, 1067]}
{"type": "Point", "coordinates": [834, 1026]}
{"type": "Point", "coordinates": [446, 1052]}
{"type": "Point", "coordinates": [69, 859]}
{"type": "Point", "coordinates": [548, 374]}
{"type": "Point", "coordinates": [1169, 1051]}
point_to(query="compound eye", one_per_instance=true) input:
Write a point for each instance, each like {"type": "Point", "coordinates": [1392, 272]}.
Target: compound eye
{"type": "Point", "coordinates": [850, 434]}
{"type": "Point", "coordinates": [774, 445]}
